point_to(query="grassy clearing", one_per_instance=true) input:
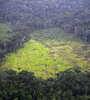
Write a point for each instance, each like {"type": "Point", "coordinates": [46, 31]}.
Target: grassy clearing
{"type": "Point", "coordinates": [72, 50]}
{"type": "Point", "coordinates": [35, 57]}
{"type": "Point", "coordinates": [48, 52]}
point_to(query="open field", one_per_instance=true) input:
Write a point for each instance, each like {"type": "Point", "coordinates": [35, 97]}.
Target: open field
{"type": "Point", "coordinates": [48, 52]}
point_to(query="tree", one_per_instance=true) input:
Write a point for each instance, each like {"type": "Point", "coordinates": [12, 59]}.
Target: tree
{"type": "Point", "coordinates": [16, 98]}
{"type": "Point", "coordinates": [29, 97]}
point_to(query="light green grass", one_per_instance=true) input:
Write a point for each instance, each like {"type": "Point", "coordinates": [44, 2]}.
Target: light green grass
{"type": "Point", "coordinates": [35, 57]}
{"type": "Point", "coordinates": [74, 51]}
{"type": "Point", "coordinates": [48, 52]}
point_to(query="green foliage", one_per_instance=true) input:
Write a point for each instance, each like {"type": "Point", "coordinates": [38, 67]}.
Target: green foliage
{"type": "Point", "coordinates": [48, 52]}
{"type": "Point", "coordinates": [29, 97]}
{"type": "Point", "coordinates": [70, 15]}
{"type": "Point", "coordinates": [28, 87]}
{"type": "Point", "coordinates": [5, 32]}
{"type": "Point", "coordinates": [16, 98]}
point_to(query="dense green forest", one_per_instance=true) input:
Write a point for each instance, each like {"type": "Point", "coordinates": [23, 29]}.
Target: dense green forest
{"type": "Point", "coordinates": [66, 85]}
{"type": "Point", "coordinates": [44, 49]}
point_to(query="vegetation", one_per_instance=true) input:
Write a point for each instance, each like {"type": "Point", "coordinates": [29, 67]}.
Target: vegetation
{"type": "Point", "coordinates": [5, 37]}
{"type": "Point", "coordinates": [71, 15]}
{"type": "Point", "coordinates": [24, 85]}
{"type": "Point", "coordinates": [54, 63]}
{"type": "Point", "coordinates": [10, 39]}
{"type": "Point", "coordinates": [48, 52]}
{"type": "Point", "coordinates": [5, 32]}
{"type": "Point", "coordinates": [25, 16]}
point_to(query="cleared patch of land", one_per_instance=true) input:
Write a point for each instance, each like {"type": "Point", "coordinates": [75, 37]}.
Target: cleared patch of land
{"type": "Point", "coordinates": [48, 52]}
